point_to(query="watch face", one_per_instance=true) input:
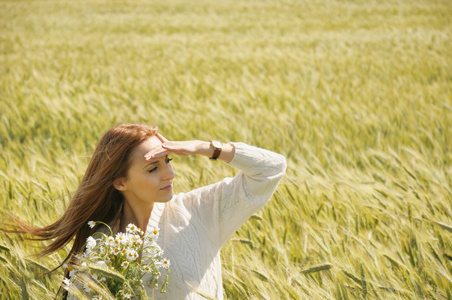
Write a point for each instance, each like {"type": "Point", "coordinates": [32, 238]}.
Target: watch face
{"type": "Point", "coordinates": [217, 144]}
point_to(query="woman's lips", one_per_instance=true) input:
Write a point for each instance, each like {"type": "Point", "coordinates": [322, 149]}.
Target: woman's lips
{"type": "Point", "coordinates": [166, 188]}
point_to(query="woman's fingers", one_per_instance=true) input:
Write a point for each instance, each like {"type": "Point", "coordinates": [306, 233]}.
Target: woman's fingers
{"type": "Point", "coordinates": [160, 154]}
{"type": "Point", "coordinates": [156, 153]}
{"type": "Point", "coordinates": [180, 148]}
{"type": "Point", "coordinates": [161, 138]}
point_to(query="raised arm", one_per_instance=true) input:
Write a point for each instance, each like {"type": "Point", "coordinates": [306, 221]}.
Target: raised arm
{"type": "Point", "coordinates": [260, 172]}
{"type": "Point", "coordinates": [184, 148]}
{"type": "Point", "coordinates": [224, 206]}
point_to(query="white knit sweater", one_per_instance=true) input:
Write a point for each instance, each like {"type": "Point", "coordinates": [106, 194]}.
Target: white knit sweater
{"type": "Point", "coordinates": [194, 225]}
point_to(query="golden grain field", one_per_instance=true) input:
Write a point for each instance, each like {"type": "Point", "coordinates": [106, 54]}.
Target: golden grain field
{"type": "Point", "coordinates": [356, 94]}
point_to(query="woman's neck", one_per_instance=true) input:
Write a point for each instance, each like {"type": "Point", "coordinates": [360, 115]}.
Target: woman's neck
{"type": "Point", "coordinates": [135, 214]}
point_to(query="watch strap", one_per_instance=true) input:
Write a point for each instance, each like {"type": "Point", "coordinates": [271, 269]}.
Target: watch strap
{"type": "Point", "coordinates": [217, 150]}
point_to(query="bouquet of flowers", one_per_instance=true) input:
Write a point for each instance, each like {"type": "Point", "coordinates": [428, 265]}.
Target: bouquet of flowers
{"type": "Point", "coordinates": [114, 266]}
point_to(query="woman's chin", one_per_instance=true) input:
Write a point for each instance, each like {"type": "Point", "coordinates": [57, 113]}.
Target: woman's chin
{"type": "Point", "coordinates": [166, 198]}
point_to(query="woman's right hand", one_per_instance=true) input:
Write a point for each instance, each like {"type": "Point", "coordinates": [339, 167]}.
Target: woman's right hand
{"type": "Point", "coordinates": [185, 148]}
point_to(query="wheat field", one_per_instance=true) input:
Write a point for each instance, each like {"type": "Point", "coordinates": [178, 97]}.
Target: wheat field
{"type": "Point", "coordinates": [356, 94]}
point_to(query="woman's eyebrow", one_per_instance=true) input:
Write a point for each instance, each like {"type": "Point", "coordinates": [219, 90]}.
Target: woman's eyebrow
{"type": "Point", "coordinates": [154, 162]}
{"type": "Point", "coordinates": [151, 163]}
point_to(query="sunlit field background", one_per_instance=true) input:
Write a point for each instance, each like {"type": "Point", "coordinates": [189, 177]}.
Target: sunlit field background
{"type": "Point", "coordinates": [356, 94]}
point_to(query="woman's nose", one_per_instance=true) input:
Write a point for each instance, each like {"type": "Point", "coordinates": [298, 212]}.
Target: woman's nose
{"type": "Point", "coordinates": [169, 172]}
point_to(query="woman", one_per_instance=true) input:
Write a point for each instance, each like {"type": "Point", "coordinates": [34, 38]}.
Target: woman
{"type": "Point", "coordinates": [129, 180]}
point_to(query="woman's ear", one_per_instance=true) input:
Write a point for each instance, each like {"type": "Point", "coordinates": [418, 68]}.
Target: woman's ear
{"type": "Point", "coordinates": [119, 184]}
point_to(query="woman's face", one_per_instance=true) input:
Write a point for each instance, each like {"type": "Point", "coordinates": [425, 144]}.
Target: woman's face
{"type": "Point", "coordinates": [147, 181]}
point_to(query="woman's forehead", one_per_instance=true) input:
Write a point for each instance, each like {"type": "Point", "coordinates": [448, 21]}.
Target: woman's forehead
{"type": "Point", "coordinates": [150, 144]}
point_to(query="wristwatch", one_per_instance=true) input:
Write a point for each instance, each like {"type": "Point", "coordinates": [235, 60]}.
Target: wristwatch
{"type": "Point", "coordinates": [217, 146]}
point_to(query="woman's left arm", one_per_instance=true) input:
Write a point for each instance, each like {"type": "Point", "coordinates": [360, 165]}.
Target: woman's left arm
{"type": "Point", "coordinates": [260, 173]}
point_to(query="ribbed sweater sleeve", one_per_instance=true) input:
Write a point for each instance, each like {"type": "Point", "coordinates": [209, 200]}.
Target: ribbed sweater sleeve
{"type": "Point", "coordinates": [260, 172]}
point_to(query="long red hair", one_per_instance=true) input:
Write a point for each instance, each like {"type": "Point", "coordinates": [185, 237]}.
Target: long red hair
{"type": "Point", "coordinates": [95, 199]}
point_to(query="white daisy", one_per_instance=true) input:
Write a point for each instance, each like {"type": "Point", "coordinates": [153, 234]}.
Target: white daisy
{"type": "Point", "coordinates": [166, 263]}
{"type": "Point", "coordinates": [110, 240]}
{"type": "Point", "coordinates": [122, 238]}
{"type": "Point", "coordinates": [153, 233]}
{"type": "Point", "coordinates": [131, 255]}
{"type": "Point", "coordinates": [146, 268]}
{"type": "Point", "coordinates": [90, 243]}
{"type": "Point", "coordinates": [132, 228]}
